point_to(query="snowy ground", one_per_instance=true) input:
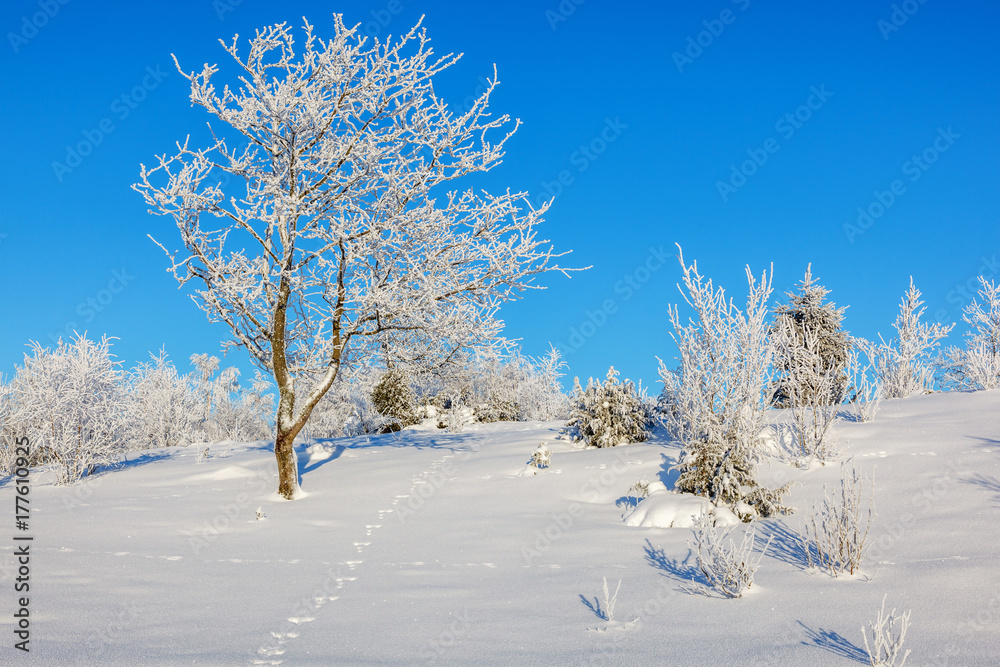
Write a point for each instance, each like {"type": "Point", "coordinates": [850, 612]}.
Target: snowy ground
{"type": "Point", "coordinates": [433, 548]}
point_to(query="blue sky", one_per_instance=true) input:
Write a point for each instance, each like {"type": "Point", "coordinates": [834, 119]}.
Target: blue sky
{"type": "Point", "coordinates": [749, 132]}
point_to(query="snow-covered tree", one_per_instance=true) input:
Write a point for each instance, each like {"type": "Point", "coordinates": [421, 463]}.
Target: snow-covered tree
{"type": "Point", "coordinates": [978, 365]}
{"type": "Point", "coordinates": [164, 407]}
{"type": "Point", "coordinates": [903, 365]}
{"type": "Point", "coordinates": [609, 414]}
{"type": "Point", "coordinates": [813, 356]}
{"type": "Point", "coordinates": [511, 386]}
{"type": "Point", "coordinates": [70, 404]}
{"type": "Point", "coordinates": [715, 403]}
{"type": "Point", "coordinates": [393, 398]}
{"type": "Point", "coordinates": [347, 231]}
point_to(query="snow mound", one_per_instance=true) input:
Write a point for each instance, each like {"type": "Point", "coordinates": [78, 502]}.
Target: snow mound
{"type": "Point", "coordinates": [666, 509]}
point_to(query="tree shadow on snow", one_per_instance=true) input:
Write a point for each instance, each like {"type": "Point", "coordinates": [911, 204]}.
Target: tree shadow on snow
{"type": "Point", "coordinates": [988, 483]}
{"type": "Point", "coordinates": [309, 467]}
{"type": "Point", "coordinates": [986, 442]}
{"type": "Point", "coordinates": [786, 545]}
{"type": "Point", "coordinates": [684, 571]}
{"type": "Point", "coordinates": [835, 643]}
{"type": "Point", "coordinates": [666, 475]}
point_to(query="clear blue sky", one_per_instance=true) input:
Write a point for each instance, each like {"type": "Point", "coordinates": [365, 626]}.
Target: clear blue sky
{"type": "Point", "coordinates": [833, 104]}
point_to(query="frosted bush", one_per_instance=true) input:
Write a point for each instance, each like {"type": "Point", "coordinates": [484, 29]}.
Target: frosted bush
{"type": "Point", "coordinates": [609, 414]}
{"type": "Point", "coordinates": [70, 404]}
{"type": "Point", "coordinates": [541, 457]}
{"type": "Point", "coordinates": [727, 567]}
{"type": "Point", "coordinates": [715, 403]}
{"type": "Point", "coordinates": [810, 387]}
{"type": "Point", "coordinates": [164, 406]}
{"type": "Point", "coordinates": [903, 365]}
{"type": "Point", "coordinates": [837, 531]}
{"type": "Point", "coordinates": [888, 634]}
{"type": "Point", "coordinates": [864, 394]}
{"type": "Point", "coordinates": [977, 366]}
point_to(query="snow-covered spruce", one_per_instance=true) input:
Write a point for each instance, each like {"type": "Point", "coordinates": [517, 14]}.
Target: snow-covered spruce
{"type": "Point", "coordinates": [903, 365]}
{"type": "Point", "coordinates": [393, 398]}
{"type": "Point", "coordinates": [813, 354]}
{"type": "Point", "coordinates": [977, 366]}
{"type": "Point", "coordinates": [609, 414]}
{"type": "Point", "coordinates": [715, 403]}
{"type": "Point", "coordinates": [343, 235]}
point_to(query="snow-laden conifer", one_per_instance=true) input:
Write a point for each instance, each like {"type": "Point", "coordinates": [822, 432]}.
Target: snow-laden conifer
{"type": "Point", "coordinates": [812, 357]}
{"type": "Point", "coordinates": [609, 414]}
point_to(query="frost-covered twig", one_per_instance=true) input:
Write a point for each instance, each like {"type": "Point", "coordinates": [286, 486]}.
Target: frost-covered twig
{"type": "Point", "coordinates": [888, 635]}
{"type": "Point", "coordinates": [610, 600]}
{"type": "Point", "coordinates": [865, 394]}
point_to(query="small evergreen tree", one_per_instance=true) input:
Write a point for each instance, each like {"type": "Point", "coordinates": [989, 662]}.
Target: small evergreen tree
{"type": "Point", "coordinates": [609, 414]}
{"type": "Point", "coordinates": [393, 398]}
{"type": "Point", "coordinates": [815, 343]}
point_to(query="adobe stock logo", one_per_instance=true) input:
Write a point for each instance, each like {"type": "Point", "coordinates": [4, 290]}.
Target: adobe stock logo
{"type": "Point", "coordinates": [30, 25]}
{"type": "Point", "coordinates": [786, 126]}
{"type": "Point", "coordinates": [92, 305]}
{"type": "Point", "coordinates": [122, 106]}
{"type": "Point", "coordinates": [914, 168]}
{"type": "Point", "coordinates": [627, 287]}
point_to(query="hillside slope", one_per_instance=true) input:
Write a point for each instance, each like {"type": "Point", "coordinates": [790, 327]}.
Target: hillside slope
{"type": "Point", "coordinates": [427, 547]}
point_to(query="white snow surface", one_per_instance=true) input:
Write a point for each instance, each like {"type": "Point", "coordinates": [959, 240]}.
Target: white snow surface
{"type": "Point", "coordinates": [428, 547]}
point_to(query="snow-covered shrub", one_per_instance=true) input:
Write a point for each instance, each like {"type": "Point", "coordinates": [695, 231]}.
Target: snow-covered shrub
{"type": "Point", "coordinates": [8, 430]}
{"type": "Point", "coordinates": [809, 387]}
{"type": "Point", "coordinates": [727, 568]}
{"type": "Point", "coordinates": [609, 414]}
{"type": "Point", "coordinates": [837, 530]}
{"type": "Point", "coordinates": [715, 404]}
{"type": "Point", "coordinates": [507, 385]}
{"type": "Point", "coordinates": [812, 358]}
{"type": "Point", "coordinates": [393, 398]}
{"type": "Point", "coordinates": [864, 394]}
{"type": "Point", "coordinates": [227, 410]}
{"type": "Point", "coordinates": [70, 404]}
{"type": "Point", "coordinates": [978, 365]}
{"type": "Point", "coordinates": [541, 457]}
{"type": "Point", "coordinates": [163, 406]}
{"type": "Point", "coordinates": [903, 365]}
{"type": "Point", "coordinates": [888, 635]}
{"type": "Point", "coordinates": [639, 490]}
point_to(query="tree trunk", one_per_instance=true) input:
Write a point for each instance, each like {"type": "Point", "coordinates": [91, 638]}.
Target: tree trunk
{"type": "Point", "coordinates": [286, 429]}
{"type": "Point", "coordinates": [288, 473]}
